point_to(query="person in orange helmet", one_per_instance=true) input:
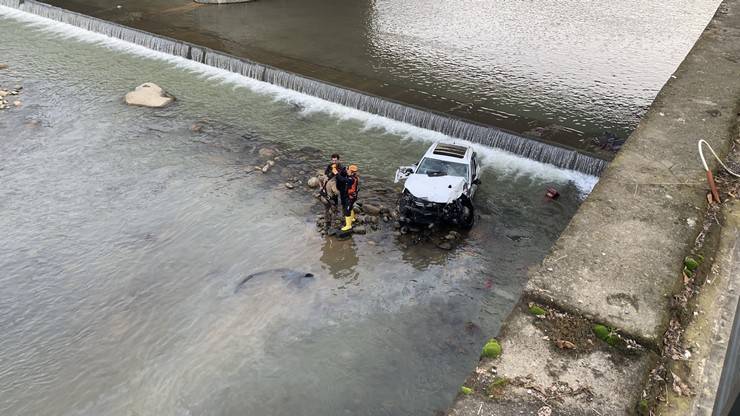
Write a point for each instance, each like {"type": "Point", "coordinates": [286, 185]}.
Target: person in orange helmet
{"type": "Point", "coordinates": [348, 183]}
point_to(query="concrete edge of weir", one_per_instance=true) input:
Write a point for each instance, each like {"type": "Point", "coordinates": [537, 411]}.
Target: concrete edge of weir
{"type": "Point", "coordinates": [620, 261]}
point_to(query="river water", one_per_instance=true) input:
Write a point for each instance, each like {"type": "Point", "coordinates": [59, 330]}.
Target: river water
{"type": "Point", "coordinates": [563, 70]}
{"type": "Point", "coordinates": [125, 235]}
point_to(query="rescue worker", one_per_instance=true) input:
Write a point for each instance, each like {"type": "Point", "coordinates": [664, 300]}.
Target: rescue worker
{"type": "Point", "coordinates": [353, 190]}
{"type": "Point", "coordinates": [348, 184]}
{"type": "Point", "coordinates": [333, 168]}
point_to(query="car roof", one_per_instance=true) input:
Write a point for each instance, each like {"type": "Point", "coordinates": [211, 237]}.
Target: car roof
{"type": "Point", "coordinates": [451, 152]}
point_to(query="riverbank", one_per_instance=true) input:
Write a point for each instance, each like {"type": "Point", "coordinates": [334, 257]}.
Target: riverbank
{"type": "Point", "coordinates": [621, 264]}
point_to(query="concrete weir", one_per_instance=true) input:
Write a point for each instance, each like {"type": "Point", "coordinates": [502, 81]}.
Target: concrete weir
{"type": "Point", "coordinates": [554, 154]}
{"type": "Point", "coordinates": [619, 263]}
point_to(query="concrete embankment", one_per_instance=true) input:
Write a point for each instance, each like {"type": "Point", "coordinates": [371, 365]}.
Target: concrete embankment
{"type": "Point", "coordinates": [620, 262]}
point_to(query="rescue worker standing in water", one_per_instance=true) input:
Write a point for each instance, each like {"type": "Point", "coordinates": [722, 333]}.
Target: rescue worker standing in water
{"type": "Point", "coordinates": [331, 171]}
{"type": "Point", "coordinates": [348, 184]}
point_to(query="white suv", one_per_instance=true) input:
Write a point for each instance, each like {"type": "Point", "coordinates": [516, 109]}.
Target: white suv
{"type": "Point", "coordinates": [440, 188]}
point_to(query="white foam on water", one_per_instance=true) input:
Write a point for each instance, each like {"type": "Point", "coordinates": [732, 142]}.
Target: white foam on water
{"type": "Point", "coordinates": [502, 162]}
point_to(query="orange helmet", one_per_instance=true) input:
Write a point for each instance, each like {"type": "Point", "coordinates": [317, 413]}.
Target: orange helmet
{"type": "Point", "coordinates": [352, 168]}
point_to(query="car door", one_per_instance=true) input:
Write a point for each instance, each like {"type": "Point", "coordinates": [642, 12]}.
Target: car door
{"type": "Point", "coordinates": [404, 172]}
{"type": "Point", "coordinates": [474, 175]}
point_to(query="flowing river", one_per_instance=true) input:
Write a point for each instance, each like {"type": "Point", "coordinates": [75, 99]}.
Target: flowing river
{"type": "Point", "coordinates": [125, 234]}
{"type": "Point", "coordinates": [563, 70]}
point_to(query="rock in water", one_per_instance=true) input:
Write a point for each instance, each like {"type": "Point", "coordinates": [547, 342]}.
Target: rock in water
{"type": "Point", "coordinates": [149, 95]}
{"type": "Point", "coordinates": [267, 152]}
{"type": "Point", "coordinates": [313, 182]}
{"type": "Point", "coordinates": [371, 209]}
{"type": "Point", "coordinates": [445, 246]}
{"type": "Point", "coordinates": [3, 66]}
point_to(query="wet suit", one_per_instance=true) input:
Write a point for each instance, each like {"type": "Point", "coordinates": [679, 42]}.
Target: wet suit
{"type": "Point", "coordinates": [352, 191]}
{"type": "Point", "coordinates": [348, 187]}
{"type": "Point", "coordinates": [344, 182]}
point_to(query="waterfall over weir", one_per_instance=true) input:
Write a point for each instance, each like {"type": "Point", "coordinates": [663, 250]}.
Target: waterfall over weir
{"type": "Point", "coordinates": [555, 155]}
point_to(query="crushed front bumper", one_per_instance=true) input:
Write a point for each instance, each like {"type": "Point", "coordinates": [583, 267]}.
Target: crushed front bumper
{"type": "Point", "coordinates": [419, 211]}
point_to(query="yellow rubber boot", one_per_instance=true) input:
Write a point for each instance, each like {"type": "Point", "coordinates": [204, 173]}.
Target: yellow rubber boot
{"type": "Point", "coordinates": [352, 216]}
{"type": "Point", "coordinates": [347, 224]}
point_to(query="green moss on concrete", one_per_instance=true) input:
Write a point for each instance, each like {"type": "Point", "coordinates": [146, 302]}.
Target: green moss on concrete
{"type": "Point", "coordinates": [536, 310]}
{"type": "Point", "coordinates": [601, 331]}
{"type": "Point", "coordinates": [499, 382]}
{"type": "Point", "coordinates": [606, 334]}
{"type": "Point", "coordinates": [466, 390]}
{"type": "Point", "coordinates": [496, 388]}
{"type": "Point", "coordinates": [492, 349]}
{"type": "Point", "coordinates": [691, 263]}
{"type": "Point", "coordinates": [643, 408]}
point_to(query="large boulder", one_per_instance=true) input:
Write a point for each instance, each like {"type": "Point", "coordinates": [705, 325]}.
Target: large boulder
{"type": "Point", "coordinates": [149, 95]}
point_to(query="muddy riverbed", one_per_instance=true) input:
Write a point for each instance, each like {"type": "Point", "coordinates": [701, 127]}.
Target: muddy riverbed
{"type": "Point", "coordinates": [127, 231]}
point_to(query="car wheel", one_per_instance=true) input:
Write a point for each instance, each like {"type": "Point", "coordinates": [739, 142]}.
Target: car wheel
{"type": "Point", "coordinates": [468, 215]}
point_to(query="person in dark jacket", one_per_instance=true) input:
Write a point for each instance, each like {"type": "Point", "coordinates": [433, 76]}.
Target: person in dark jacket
{"type": "Point", "coordinates": [331, 171]}
{"type": "Point", "coordinates": [348, 184]}
{"type": "Point", "coordinates": [333, 168]}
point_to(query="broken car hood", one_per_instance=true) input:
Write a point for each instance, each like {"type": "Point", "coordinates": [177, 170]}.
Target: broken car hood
{"type": "Point", "coordinates": [440, 189]}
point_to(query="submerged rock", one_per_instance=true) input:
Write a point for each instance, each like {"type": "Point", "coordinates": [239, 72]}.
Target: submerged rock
{"type": "Point", "coordinates": [3, 66]}
{"type": "Point", "coordinates": [149, 95]}
{"type": "Point", "coordinates": [445, 246]}
{"type": "Point", "coordinates": [453, 235]}
{"type": "Point", "coordinates": [267, 152]}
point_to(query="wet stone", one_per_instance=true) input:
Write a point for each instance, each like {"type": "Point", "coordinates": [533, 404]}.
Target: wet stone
{"type": "Point", "coordinates": [267, 153]}
{"type": "Point", "coordinates": [149, 95]}
{"type": "Point", "coordinates": [445, 246]}
{"type": "Point", "coordinates": [313, 182]}
{"type": "Point", "coordinates": [371, 209]}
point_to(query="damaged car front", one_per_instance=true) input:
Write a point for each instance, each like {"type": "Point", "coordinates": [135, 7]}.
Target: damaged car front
{"type": "Point", "coordinates": [438, 190]}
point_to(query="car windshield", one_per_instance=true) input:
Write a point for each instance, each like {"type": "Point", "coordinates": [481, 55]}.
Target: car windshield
{"type": "Point", "coordinates": [436, 167]}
